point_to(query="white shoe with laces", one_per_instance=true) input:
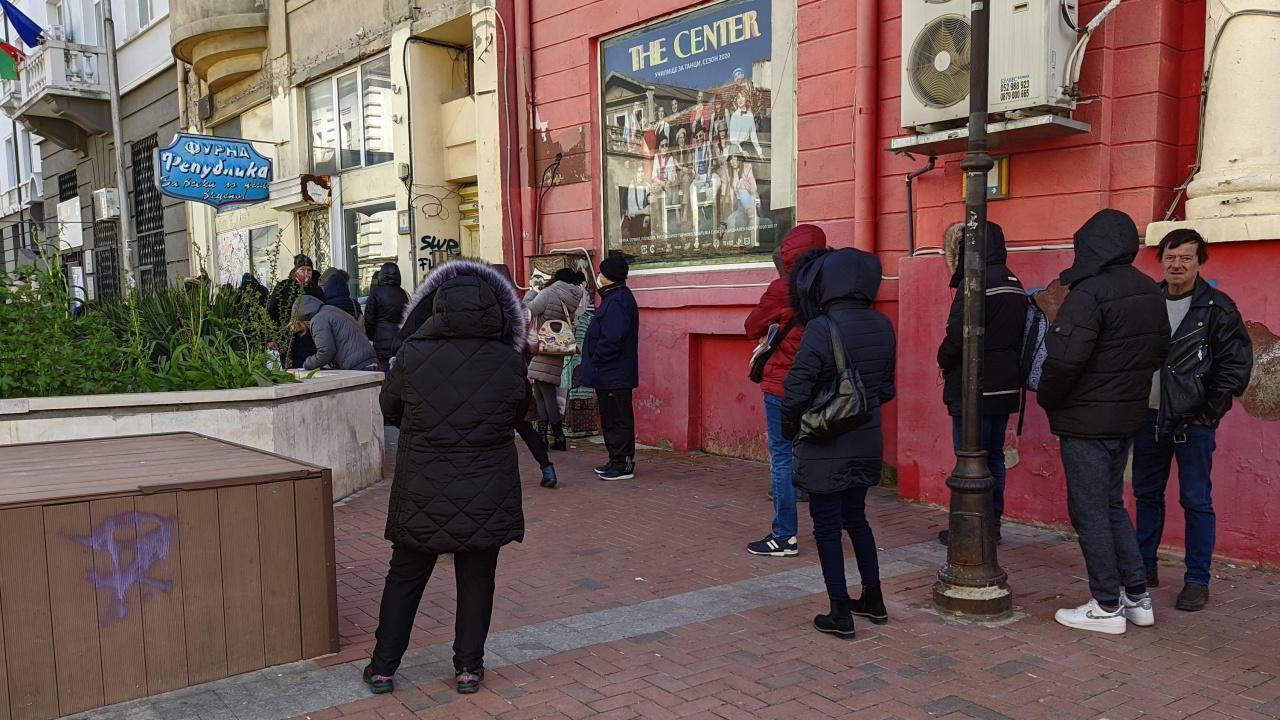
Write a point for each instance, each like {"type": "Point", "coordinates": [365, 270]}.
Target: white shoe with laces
{"type": "Point", "coordinates": [1138, 610]}
{"type": "Point", "coordinates": [1093, 618]}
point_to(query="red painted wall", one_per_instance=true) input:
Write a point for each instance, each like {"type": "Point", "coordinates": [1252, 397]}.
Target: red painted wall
{"type": "Point", "coordinates": [1142, 79]}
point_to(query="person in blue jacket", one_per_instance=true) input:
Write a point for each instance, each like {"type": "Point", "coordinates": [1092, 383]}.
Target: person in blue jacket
{"type": "Point", "coordinates": [611, 366]}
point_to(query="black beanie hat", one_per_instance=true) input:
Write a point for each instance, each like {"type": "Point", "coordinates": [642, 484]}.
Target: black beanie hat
{"type": "Point", "coordinates": [301, 260]}
{"type": "Point", "coordinates": [615, 268]}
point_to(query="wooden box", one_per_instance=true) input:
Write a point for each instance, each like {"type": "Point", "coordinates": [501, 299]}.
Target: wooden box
{"type": "Point", "coordinates": [134, 566]}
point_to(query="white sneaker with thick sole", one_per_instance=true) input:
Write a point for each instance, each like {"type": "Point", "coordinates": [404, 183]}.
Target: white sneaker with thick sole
{"type": "Point", "coordinates": [1093, 618]}
{"type": "Point", "coordinates": [1138, 611]}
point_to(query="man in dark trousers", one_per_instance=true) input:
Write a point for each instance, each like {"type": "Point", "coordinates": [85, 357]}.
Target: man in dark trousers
{"type": "Point", "coordinates": [1109, 337]}
{"type": "Point", "coordinates": [1210, 361]}
{"type": "Point", "coordinates": [611, 365]}
{"type": "Point", "coordinates": [1005, 310]}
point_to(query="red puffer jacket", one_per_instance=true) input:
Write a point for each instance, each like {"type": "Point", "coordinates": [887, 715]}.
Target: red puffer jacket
{"type": "Point", "coordinates": [775, 307]}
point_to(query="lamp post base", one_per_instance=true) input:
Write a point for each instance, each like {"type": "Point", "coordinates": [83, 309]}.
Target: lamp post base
{"type": "Point", "coordinates": [984, 604]}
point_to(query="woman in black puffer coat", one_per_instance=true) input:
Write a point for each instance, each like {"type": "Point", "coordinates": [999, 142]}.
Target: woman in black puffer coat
{"type": "Point", "coordinates": [832, 291]}
{"type": "Point", "coordinates": [456, 389]}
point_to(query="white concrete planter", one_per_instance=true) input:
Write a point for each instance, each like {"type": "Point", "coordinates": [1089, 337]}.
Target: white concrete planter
{"type": "Point", "coordinates": [332, 420]}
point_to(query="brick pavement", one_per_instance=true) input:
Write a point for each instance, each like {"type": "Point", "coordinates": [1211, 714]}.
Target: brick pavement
{"type": "Point", "coordinates": [682, 622]}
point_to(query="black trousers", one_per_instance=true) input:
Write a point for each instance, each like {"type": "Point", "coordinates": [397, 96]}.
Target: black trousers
{"type": "Point", "coordinates": [617, 424]}
{"type": "Point", "coordinates": [533, 439]}
{"type": "Point", "coordinates": [407, 578]}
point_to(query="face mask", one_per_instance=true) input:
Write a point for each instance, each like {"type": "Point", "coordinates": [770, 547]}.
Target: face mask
{"type": "Point", "coordinates": [601, 281]}
{"type": "Point", "coordinates": [303, 275]}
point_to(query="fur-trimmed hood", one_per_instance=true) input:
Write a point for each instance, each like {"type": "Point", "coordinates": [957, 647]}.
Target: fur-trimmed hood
{"type": "Point", "coordinates": [466, 298]}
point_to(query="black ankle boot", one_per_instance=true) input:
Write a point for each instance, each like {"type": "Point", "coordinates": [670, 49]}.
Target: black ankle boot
{"type": "Point", "coordinates": [557, 431]}
{"type": "Point", "coordinates": [839, 621]}
{"type": "Point", "coordinates": [871, 605]}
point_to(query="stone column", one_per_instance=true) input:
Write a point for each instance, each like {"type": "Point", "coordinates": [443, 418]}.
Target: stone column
{"type": "Point", "coordinates": [1236, 193]}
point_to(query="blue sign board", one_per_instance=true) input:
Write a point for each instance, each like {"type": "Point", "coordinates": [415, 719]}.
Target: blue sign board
{"type": "Point", "coordinates": [215, 171]}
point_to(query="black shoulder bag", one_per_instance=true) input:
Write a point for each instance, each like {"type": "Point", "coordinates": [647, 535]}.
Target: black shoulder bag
{"type": "Point", "coordinates": [839, 406]}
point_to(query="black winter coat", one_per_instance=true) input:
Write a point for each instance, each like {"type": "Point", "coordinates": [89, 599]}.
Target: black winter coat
{"type": "Point", "coordinates": [1006, 315]}
{"type": "Point", "coordinates": [456, 390]}
{"type": "Point", "coordinates": [1108, 339]}
{"type": "Point", "coordinates": [384, 311]}
{"type": "Point", "coordinates": [1210, 361]}
{"type": "Point", "coordinates": [836, 288]}
{"type": "Point", "coordinates": [284, 295]}
{"type": "Point", "coordinates": [338, 294]}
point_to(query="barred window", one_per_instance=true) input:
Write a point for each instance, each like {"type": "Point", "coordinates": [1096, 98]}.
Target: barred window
{"type": "Point", "coordinates": [148, 213]}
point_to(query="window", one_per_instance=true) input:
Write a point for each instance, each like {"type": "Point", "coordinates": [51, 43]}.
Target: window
{"type": "Point", "coordinates": [11, 165]}
{"type": "Point", "coordinates": [97, 21]}
{"type": "Point", "coordinates": [59, 15]}
{"type": "Point", "coordinates": [148, 215]}
{"type": "Point", "coordinates": [68, 186]}
{"type": "Point", "coordinates": [372, 239]}
{"type": "Point", "coordinates": [145, 13]}
{"type": "Point", "coordinates": [699, 135]}
{"type": "Point", "coordinates": [350, 119]}
{"type": "Point", "coordinates": [263, 252]}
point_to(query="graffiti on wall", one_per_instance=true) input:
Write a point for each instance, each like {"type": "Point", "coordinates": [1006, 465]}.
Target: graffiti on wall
{"type": "Point", "coordinates": [434, 250]}
{"type": "Point", "coordinates": [132, 558]}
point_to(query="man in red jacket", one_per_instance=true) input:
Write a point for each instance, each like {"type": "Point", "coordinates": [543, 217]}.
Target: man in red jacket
{"type": "Point", "coordinates": [775, 309]}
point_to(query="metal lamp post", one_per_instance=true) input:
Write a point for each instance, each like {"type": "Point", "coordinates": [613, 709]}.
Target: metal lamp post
{"type": "Point", "coordinates": [972, 582]}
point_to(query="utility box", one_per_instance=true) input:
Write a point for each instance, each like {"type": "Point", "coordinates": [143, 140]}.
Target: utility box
{"type": "Point", "coordinates": [138, 565]}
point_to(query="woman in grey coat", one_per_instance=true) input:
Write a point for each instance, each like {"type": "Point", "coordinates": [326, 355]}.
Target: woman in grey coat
{"type": "Point", "coordinates": [340, 342]}
{"type": "Point", "coordinates": [560, 300]}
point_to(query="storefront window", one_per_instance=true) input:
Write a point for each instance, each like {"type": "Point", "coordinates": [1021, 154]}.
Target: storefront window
{"type": "Point", "coordinates": [350, 118]}
{"type": "Point", "coordinates": [264, 252]}
{"type": "Point", "coordinates": [372, 239]}
{"type": "Point", "coordinates": [699, 135]}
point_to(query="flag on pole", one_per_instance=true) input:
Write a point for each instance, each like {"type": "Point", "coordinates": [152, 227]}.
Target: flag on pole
{"type": "Point", "coordinates": [10, 56]}
{"type": "Point", "coordinates": [27, 29]}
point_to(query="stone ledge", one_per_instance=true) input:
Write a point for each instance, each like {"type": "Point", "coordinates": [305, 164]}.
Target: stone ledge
{"type": "Point", "coordinates": [1233, 229]}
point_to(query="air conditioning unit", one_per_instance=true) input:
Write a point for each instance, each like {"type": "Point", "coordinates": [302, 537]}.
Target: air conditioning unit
{"type": "Point", "coordinates": [1030, 43]}
{"type": "Point", "coordinates": [106, 204]}
{"type": "Point", "coordinates": [70, 231]}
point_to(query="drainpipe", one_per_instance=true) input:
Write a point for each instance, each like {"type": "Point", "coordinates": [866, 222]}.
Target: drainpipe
{"type": "Point", "coordinates": [911, 205]}
{"type": "Point", "coordinates": [865, 141]}
{"type": "Point", "coordinates": [522, 100]}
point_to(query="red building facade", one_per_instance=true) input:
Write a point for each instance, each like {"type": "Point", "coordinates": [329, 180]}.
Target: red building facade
{"type": "Point", "coordinates": [1141, 85]}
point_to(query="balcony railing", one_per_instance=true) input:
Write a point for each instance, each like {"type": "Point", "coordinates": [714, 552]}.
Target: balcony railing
{"type": "Point", "coordinates": [63, 67]}
{"type": "Point", "coordinates": [21, 196]}
{"type": "Point", "coordinates": [61, 94]}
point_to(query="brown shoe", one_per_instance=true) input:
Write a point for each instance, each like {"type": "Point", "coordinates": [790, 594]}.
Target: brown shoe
{"type": "Point", "coordinates": [1193, 597]}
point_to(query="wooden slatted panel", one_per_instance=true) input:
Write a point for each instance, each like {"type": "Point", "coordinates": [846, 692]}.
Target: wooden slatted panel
{"type": "Point", "coordinates": [317, 583]}
{"type": "Point", "coordinates": [28, 629]}
{"type": "Point", "coordinates": [164, 633]}
{"type": "Point", "coordinates": [114, 466]}
{"type": "Point", "coordinates": [202, 585]}
{"type": "Point", "coordinates": [4, 670]}
{"type": "Point", "coordinates": [74, 607]}
{"type": "Point", "coordinates": [124, 665]}
{"type": "Point", "coordinates": [278, 540]}
{"type": "Point", "coordinates": [241, 579]}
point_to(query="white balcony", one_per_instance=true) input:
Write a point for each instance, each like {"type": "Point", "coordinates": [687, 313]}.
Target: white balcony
{"type": "Point", "coordinates": [22, 196]}
{"type": "Point", "coordinates": [61, 94]}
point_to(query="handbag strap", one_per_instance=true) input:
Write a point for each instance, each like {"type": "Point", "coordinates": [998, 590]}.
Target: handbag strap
{"type": "Point", "coordinates": [837, 347]}
{"type": "Point", "coordinates": [786, 329]}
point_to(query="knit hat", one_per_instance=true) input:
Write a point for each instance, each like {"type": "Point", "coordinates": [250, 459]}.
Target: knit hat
{"type": "Point", "coordinates": [306, 307]}
{"type": "Point", "coordinates": [615, 268]}
{"type": "Point", "coordinates": [301, 260]}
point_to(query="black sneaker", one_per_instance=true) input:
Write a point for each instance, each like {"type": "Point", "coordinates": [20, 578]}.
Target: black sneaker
{"type": "Point", "coordinates": [469, 680]}
{"type": "Point", "coordinates": [617, 473]}
{"type": "Point", "coordinates": [604, 468]}
{"type": "Point", "coordinates": [1193, 597]}
{"type": "Point", "coordinates": [1153, 578]}
{"type": "Point", "coordinates": [379, 684]}
{"type": "Point", "coordinates": [548, 476]}
{"type": "Point", "coordinates": [775, 546]}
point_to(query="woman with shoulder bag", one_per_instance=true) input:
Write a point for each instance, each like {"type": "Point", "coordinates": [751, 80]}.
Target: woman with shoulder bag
{"type": "Point", "coordinates": [842, 374]}
{"type": "Point", "coordinates": [554, 309]}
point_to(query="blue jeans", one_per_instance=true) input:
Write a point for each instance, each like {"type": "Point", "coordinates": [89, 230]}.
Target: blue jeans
{"type": "Point", "coordinates": [1153, 454]}
{"type": "Point", "coordinates": [785, 523]}
{"type": "Point", "coordinates": [993, 430]}
{"type": "Point", "coordinates": [834, 514]}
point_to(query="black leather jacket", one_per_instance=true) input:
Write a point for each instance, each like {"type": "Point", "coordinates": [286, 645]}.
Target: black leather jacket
{"type": "Point", "coordinates": [1210, 361]}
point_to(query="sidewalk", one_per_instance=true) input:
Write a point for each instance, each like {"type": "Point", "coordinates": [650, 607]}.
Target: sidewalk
{"type": "Point", "coordinates": [636, 599]}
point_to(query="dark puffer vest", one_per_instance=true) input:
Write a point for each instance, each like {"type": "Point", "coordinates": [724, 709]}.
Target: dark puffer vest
{"type": "Point", "coordinates": [455, 391]}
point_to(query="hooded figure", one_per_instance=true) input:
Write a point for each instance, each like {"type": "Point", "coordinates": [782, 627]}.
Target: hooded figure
{"type": "Point", "coordinates": [252, 291]}
{"type": "Point", "coordinates": [1107, 340]}
{"type": "Point", "coordinates": [337, 292]}
{"type": "Point", "coordinates": [833, 291]}
{"type": "Point", "coordinates": [455, 391]}
{"type": "Point", "coordinates": [339, 339]}
{"type": "Point", "coordinates": [383, 312]}
{"type": "Point", "coordinates": [1109, 337]}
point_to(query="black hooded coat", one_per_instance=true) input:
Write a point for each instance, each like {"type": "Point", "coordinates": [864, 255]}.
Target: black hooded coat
{"type": "Point", "coordinates": [832, 290]}
{"type": "Point", "coordinates": [1108, 339]}
{"type": "Point", "coordinates": [1006, 315]}
{"type": "Point", "coordinates": [455, 391]}
{"type": "Point", "coordinates": [383, 311]}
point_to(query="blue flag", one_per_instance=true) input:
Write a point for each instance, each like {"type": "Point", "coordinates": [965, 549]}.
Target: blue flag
{"type": "Point", "coordinates": [27, 29]}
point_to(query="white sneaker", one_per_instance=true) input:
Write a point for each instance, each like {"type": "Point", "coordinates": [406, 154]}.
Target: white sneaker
{"type": "Point", "coordinates": [1139, 611]}
{"type": "Point", "coordinates": [1092, 617]}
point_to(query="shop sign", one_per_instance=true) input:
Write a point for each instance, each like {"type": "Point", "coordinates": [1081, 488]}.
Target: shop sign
{"type": "Point", "coordinates": [215, 171]}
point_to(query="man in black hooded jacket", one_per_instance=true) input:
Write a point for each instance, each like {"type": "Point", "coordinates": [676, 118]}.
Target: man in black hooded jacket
{"type": "Point", "coordinates": [1005, 309]}
{"type": "Point", "coordinates": [1109, 337]}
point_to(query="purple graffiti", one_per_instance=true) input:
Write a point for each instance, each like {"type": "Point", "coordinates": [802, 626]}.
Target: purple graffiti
{"type": "Point", "coordinates": [131, 558]}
